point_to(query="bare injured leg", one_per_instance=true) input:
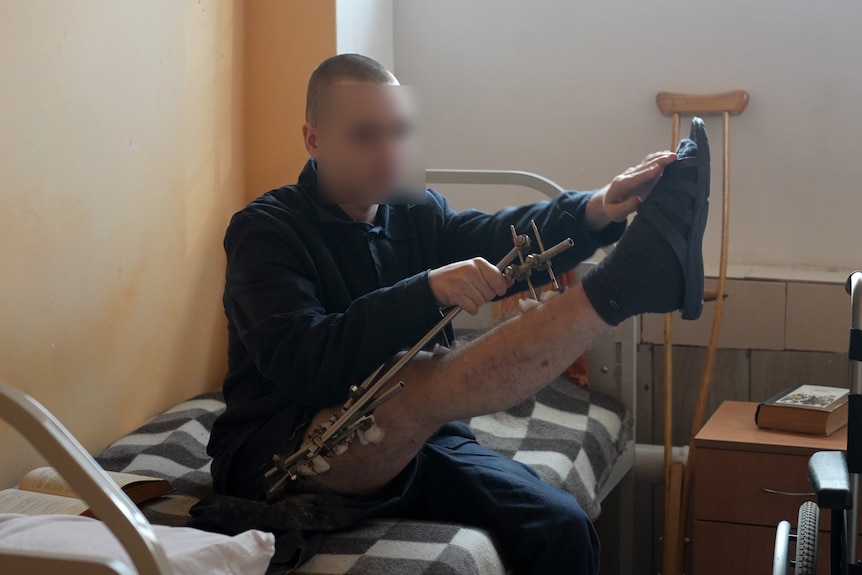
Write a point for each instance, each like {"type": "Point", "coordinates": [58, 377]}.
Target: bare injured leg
{"type": "Point", "coordinates": [495, 372]}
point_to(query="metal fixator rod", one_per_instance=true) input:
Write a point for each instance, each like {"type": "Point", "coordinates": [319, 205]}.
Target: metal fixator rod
{"type": "Point", "coordinates": [542, 249]}
{"type": "Point", "coordinates": [523, 262]}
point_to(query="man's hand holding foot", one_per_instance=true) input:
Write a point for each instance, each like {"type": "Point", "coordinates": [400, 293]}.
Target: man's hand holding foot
{"type": "Point", "coordinates": [624, 195]}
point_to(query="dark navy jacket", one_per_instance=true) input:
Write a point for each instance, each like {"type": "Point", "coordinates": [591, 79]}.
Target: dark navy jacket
{"type": "Point", "coordinates": [316, 301]}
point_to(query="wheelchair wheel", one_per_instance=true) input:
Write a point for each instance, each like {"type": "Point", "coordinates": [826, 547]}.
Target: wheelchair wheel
{"type": "Point", "coordinates": [806, 539]}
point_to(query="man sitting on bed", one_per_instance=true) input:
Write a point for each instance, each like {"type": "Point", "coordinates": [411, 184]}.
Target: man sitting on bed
{"type": "Point", "coordinates": [330, 277]}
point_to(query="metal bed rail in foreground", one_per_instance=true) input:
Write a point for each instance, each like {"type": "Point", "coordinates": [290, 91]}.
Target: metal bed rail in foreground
{"type": "Point", "coordinates": [108, 502]}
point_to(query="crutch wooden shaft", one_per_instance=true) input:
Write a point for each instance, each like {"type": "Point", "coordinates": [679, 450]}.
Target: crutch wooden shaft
{"type": "Point", "coordinates": [667, 382]}
{"type": "Point", "coordinates": [712, 349]}
{"type": "Point", "coordinates": [673, 473]}
{"type": "Point", "coordinates": [668, 354]}
{"type": "Point", "coordinates": [703, 397]}
{"type": "Point", "coordinates": [673, 542]}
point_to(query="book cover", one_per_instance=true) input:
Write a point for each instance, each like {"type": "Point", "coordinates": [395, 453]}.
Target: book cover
{"type": "Point", "coordinates": [811, 409]}
{"type": "Point", "coordinates": [813, 397]}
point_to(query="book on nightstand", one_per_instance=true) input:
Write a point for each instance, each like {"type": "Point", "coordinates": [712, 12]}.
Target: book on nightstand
{"type": "Point", "coordinates": [43, 491]}
{"type": "Point", "coordinates": [811, 409]}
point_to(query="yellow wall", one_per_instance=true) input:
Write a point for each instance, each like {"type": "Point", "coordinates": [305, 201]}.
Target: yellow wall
{"type": "Point", "coordinates": [120, 165]}
{"type": "Point", "coordinates": [286, 39]}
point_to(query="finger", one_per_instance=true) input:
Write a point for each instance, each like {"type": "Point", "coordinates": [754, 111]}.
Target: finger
{"type": "Point", "coordinates": [665, 159]}
{"type": "Point", "coordinates": [629, 183]}
{"type": "Point", "coordinates": [495, 281]}
{"type": "Point", "coordinates": [477, 295]}
{"type": "Point", "coordinates": [479, 282]}
{"type": "Point", "coordinates": [488, 293]}
{"type": "Point", "coordinates": [469, 306]}
{"type": "Point", "coordinates": [641, 175]}
{"type": "Point", "coordinates": [499, 283]}
{"type": "Point", "coordinates": [623, 209]}
{"type": "Point", "coordinates": [660, 158]}
{"type": "Point", "coordinates": [646, 187]}
{"type": "Point", "coordinates": [658, 165]}
{"type": "Point", "coordinates": [656, 155]}
{"type": "Point", "coordinates": [467, 303]}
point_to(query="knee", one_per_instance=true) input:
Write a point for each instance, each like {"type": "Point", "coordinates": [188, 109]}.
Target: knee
{"type": "Point", "coordinates": [572, 539]}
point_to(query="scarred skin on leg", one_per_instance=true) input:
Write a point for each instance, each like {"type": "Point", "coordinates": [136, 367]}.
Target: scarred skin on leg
{"type": "Point", "coordinates": [494, 372]}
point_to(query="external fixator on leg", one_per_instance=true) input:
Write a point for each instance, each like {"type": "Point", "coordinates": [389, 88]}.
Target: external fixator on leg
{"type": "Point", "coordinates": [356, 417]}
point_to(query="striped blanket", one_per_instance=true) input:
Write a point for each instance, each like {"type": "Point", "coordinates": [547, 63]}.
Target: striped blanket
{"type": "Point", "coordinates": [572, 437]}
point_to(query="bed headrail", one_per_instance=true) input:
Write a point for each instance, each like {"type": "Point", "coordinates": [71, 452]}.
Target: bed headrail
{"type": "Point", "coordinates": [495, 178]}
{"type": "Point", "coordinates": [107, 501]}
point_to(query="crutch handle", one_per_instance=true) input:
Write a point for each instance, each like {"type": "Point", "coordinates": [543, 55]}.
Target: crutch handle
{"type": "Point", "coordinates": [712, 295]}
{"type": "Point", "coordinates": [734, 103]}
{"type": "Point", "coordinates": [851, 279]}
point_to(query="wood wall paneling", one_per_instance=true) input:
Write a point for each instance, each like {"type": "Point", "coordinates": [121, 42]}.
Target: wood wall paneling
{"type": "Point", "coordinates": [730, 381]}
{"type": "Point", "coordinates": [774, 371]}
{"type": "Point", "coordinates": [754, 318]}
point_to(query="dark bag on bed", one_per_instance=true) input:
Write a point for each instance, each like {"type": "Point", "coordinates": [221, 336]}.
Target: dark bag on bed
{"type": "Point", "coordinates": [297, 521]}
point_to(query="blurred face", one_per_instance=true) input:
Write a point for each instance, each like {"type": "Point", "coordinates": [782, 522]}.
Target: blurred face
{"type": "Point", "coordinates": [364, 141]}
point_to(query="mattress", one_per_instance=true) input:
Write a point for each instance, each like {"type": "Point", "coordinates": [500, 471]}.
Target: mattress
{"type": "Point", "coordinates": [570, 435]}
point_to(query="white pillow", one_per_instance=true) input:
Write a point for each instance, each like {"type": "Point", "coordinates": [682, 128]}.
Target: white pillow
{"type": "Point", "coordinates": [190, 551]}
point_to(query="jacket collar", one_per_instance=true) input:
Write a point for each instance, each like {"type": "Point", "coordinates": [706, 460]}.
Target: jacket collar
{"type": "Point", "coordinates": [390, 222]}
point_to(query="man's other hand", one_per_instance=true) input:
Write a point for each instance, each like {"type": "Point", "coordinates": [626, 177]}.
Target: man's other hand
{"type": "Point", "coordinates": [623, 196]}
{"type": "Point", "coordinates": [469, 284]}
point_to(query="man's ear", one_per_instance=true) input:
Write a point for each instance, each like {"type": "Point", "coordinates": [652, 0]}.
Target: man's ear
{"type": "Point", "coordinates": [309, 137]}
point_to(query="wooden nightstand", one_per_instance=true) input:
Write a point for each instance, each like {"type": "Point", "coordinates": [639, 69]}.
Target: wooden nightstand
{"type": "Point", "coordinates": [746, 481]}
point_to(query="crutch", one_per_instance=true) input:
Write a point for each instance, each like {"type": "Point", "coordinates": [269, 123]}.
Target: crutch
{"type": "Point", "coordinates": [679, 476]}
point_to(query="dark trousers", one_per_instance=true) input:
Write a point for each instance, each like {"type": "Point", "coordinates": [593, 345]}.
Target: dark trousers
{"type": "Point", "coordinates": [538, 529]}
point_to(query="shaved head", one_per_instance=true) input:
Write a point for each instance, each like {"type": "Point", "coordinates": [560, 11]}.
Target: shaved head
{"type": "Point", "coordinates": [360, 128]}
{"type": "Point", "coordinates": [344, 68]}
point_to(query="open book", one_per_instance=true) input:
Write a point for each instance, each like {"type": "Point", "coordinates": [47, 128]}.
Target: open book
{"type": "Point", "coordinates": [43, 491]}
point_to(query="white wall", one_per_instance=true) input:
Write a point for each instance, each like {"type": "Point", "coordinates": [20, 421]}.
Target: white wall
{"type": "Point", "coordinates": [567, 89]}
{"type": "Point", "coordinates": [365, 27]}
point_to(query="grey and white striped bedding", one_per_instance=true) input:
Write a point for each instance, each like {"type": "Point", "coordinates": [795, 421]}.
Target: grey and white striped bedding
{"type": "Point", "coordinates": [571, 436]}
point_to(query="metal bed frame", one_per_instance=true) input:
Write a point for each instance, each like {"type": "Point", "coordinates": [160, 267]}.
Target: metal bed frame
{"type": "Point", "coordinates": [61, 450]}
